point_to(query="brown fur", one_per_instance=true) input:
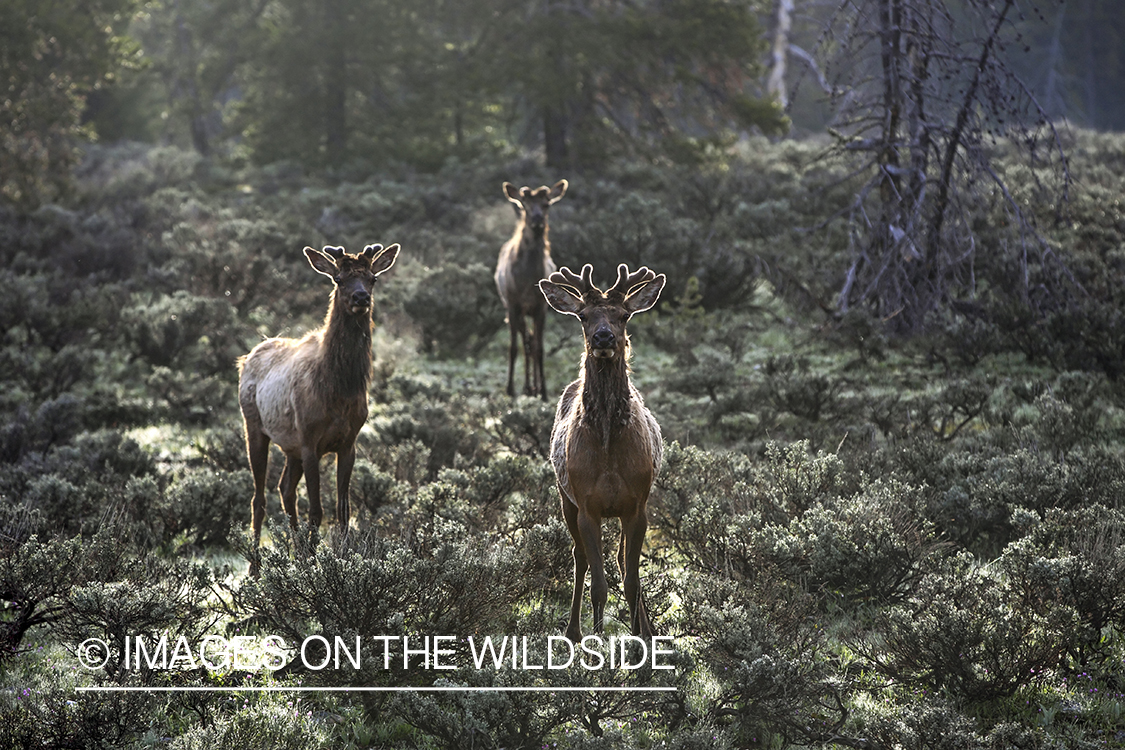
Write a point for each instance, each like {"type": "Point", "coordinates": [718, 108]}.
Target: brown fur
{"type": "Point", "coordinates": [524, 260]}
{"type": "Point", "coordinates": [309, 395]}
{"type": "Point", "coordinates": [606, 447]}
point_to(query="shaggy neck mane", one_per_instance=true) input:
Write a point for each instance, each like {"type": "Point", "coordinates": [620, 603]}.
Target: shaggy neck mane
{"type": "Point", "coordinates": [606, 395]}
{"type": "Point", "coordinates": [345, 367]}
{"type": "Point", "coordinates": [529, 240]}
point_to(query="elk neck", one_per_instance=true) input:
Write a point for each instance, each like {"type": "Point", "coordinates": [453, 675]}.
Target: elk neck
{"type": "Point", "coordinates": [345, 367]}
{"type": "Point", "coordinates": [606, 394]}
{"type": "Point", "coordinates": [533, 243]}
{"type": "Point", "coordinates": [529, 260]}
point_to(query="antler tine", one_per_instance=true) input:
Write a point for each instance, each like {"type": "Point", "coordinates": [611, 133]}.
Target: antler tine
{"type": "Point", "coordinates": [626, 281]}
{"type": "Point", "coordinates": [335, 252]}
{"type": "Point", "coordinates": [583, 283]}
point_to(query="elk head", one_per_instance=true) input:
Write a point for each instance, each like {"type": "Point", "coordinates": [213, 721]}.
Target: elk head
{"type": "Point", "coordinates": [531, 205]}
{"type": "Point", "coordinates": [353, 275]}
{"type": "Point", "coordinates": [603, 314]}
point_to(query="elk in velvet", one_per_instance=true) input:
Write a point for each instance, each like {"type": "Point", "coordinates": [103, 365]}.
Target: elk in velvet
{"type": "Point", "coordinates": [524, 260]}
{"type": "Point", "coordinates": [309, 395]}
{"type": "Point", "coordinates": [605, 446]}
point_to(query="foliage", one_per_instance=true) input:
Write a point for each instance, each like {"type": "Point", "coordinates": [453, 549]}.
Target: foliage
{"type": "Point", "coordinates": [51, 60]}
{"type": "Point", "coordinates": [655, 76]}
{"type": "Point", "coordinates": [388, 81]}
{"type": "Point", "coordinates": [41, 709]}
{"type": "Point", "coordinates": [457, 308]}
{"type": "Point", "coordinates": [272, 726]}
{"type": "Point", "coordinates": [964, 634]}
{"type": "Point", "coordinates": [854, 538]}
{"type": "Point", "coordinates": [924, 91]}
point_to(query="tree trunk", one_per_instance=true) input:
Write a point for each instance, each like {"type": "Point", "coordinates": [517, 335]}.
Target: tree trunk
{"type": "Point", "coordinates": [554, 137]}
{"type": "Point", "coordinates": [1051, 93]}
{"type": "Point", "coordinates": [776, 84]}
{"type": "Point", "coordinates": [199, 138]}
{"type": "Point", "coordinates": [335, 86]}
{"type": "Point", "coordinates": [1091, 70]}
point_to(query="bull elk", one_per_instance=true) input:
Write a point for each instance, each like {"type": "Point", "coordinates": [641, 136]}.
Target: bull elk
{"type": "Point", "coordinates": [309, 395]}
{"type": "Point", "coordinates": [605, 445]}
{"type": "Point", "coordinates": [524, 260]}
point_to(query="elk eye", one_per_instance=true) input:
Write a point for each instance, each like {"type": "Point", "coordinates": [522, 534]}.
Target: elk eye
{"type": "Point", "coordinates": [582, 317]}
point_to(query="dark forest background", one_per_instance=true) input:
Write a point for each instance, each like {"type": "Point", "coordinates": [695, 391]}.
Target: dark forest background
{"type": "Point", "coordinates": [888, 362]}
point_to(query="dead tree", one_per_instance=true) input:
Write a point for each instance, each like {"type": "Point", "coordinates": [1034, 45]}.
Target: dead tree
{"type": "Point", "coordinates": [923, 101]}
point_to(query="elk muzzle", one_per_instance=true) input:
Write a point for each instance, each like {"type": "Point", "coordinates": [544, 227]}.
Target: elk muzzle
{"type": "Point", "coordinates": [361, 301]}
{"type": "Point", "coordinates": [537, 220]}
{"type": "Point", "coordinates": [602, 343]}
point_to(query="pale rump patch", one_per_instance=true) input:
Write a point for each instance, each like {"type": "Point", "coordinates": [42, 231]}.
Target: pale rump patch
{"type": "Point", "coordinates": [273, 388]}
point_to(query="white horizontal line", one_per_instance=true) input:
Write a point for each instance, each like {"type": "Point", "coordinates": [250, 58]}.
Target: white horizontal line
{"type": "Point", "coordinates": [361, 689]}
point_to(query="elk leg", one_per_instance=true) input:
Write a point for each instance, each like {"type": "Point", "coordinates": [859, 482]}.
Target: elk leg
{"type": "Point", "coordinates": [581, 565]}
{"type": "Point", "coordinates": [525, 337]}
{"type": "Point", "coordinates": [621, 552]}
{"type": "Point", "coordinates": [312, 486]}
{"type": "Point", "coordinates": [513, 352]}
{"type": "Point", "coordinates": [345, 461]}
{"type": "Point", "coordinates": [540, 382]}
{"type": "Point", "coordinates": [290, 475]}
{"type": "Point", "coordinates": [590, 528]}
{"type": "Point", "coordinates": [258, 451]}
{"type": "Point", "coordinates": [632, 537]}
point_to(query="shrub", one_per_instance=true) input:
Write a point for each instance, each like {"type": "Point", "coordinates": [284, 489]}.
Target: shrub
{"type": "Point", "coordinates": [876, 545]}
{"type": "Point", "coordinates": [493, 719]}
{"type": "Point", "coordinates": [452, 584]}
{"type": "Point", "coordinates": [138, 597]}
{"type": "Point", "coordinates": [774, 684]}
{"type": "Point", "coordinates": [243, 261]}
{"type": "Point", "coordinates": [932, 724]}
{"type": "Point", "coordinates": [34, 576]}
{"type": "Point", "coordinates": [265, 725]}
{"type": "Point", "coordinates": [965, 631]}
{"type": "Point", "coordinates": [442, 423]}
{"type": "Point", "coordinates": [97, 587]}
{"type": "Point", "coordinates": [42, 710]}
{"type": "Point", "coordinates": [77, 486]}
{"type": "Point", "coordinates": [457, 308]}
{"type": "Point", "coordinates": [1074, 559]}
{"type": "Point", "coordinates": [633, 227]}
{"type": "Point", "coordinates": [524, 425]}
{"type": "Point", "coordinates": [182, 330]}
{"type": "Point", "coordinates": [207, 504]}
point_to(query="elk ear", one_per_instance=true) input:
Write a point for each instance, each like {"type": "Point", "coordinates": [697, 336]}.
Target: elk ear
{"type": "Point", "coordinates": [557, 192]}
{"type": "Point", "coordinates": [512, 193]}
{"type": "Point", "coordinates": [560, 298]}
{"type": "Point", "coordinates": [645, 295]}
{"type": "Point", "coordinates": [385, 259]}
{"type": "Point", "coordinates": [321, 263]}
